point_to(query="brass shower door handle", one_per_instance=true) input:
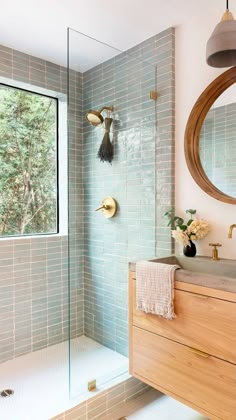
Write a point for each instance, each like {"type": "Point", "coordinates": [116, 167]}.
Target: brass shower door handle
{"type": "Point", "coordinates": [108, 207]}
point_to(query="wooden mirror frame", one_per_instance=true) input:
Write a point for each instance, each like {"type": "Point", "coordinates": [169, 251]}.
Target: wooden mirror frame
{"type": "Point", "coordinates": [193, 129]}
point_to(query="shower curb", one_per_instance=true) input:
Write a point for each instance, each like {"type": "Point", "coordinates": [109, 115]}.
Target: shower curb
{"type": "Point", "coordinates": [105, 402]}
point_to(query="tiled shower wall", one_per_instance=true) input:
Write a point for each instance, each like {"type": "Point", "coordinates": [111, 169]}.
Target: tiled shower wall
{"type": "Point", "coordinates": [34, 280]}
{"type": "Point", "coordinates": [33, 272]}
{"type": "Point", "coordinates": [141, 179]}
{"type": "Point", "coordinates": [218, 149]}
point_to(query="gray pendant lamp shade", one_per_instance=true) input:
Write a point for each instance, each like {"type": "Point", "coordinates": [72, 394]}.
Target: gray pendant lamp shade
{"type": "Point", "coordinates": [221, 47]}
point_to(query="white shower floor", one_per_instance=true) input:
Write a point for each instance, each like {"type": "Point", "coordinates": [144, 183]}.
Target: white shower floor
{"type": "Point", "coordinates": [40, 380]}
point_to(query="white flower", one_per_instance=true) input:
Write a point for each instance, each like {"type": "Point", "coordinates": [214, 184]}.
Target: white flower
{"type": "Point", "coordinates": [180, 236]}
{"type": "Point", "coordinates": [198, 229]}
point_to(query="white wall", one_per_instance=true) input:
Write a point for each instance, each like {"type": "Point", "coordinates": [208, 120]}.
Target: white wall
{"type": "Point", "coordinates": [192, 77]}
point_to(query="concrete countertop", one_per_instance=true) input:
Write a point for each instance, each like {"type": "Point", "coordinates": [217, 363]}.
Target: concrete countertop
{"type": "Point", "coordinates": [201, 271]}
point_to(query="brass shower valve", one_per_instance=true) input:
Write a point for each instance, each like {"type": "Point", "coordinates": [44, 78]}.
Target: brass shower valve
{"type": "Point", "coordinates": [108, 207]}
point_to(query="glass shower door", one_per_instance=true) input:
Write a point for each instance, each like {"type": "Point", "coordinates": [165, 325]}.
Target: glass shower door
{"type": "Point", "coordinates": [100, 248]}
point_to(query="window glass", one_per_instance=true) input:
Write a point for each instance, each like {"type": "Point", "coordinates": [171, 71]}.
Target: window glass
{"type": "Point", "coordinates": [28, 163]}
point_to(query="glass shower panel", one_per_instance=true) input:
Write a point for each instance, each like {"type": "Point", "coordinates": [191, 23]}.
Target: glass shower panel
{"type": "Point", "coordinates": [99, 247]}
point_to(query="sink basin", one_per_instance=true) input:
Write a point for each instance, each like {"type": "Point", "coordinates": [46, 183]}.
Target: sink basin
{"type": "Point", "coordinates": [202, 271]}
{"type": "Point", "coordinates": [205, 265]}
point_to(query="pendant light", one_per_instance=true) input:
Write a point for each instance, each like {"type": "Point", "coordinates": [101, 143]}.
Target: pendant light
{"type": "Point", "coordinates": [221, 47]}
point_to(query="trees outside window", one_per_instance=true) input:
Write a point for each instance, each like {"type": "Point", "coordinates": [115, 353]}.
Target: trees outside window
{"type": "Point", "coordinates": [28, 163]}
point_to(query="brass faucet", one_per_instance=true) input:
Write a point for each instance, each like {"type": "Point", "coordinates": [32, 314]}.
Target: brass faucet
{"type": "Point", "coordinates": [230, 230]}
{"type": "Point", "coordinates": [215, 256]}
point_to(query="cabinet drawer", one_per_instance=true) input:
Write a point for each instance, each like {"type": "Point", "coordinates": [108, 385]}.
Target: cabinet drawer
{"type": "Point", "coordinates": [205, 323]}
{"type": "Point", "coordinates": [207, 382]}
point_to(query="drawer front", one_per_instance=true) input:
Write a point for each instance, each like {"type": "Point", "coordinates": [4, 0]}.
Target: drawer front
{"type": "Point", "coordinates": [207, 382]}
{"type": "Point", "coordinates": [205, 323]}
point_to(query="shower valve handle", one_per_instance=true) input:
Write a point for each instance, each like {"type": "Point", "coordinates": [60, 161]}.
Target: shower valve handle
{"type": "Point", "coordinates": [108, 207]}
{"type": "Point", "coordinates": [103, 206]}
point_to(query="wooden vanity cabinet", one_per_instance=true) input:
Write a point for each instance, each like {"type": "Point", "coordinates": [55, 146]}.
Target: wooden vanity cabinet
{"type": "Point", "coordinates": [191, 358]}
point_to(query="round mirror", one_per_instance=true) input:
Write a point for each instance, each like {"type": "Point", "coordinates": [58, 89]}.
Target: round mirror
{"type": "Point", "coordinates": [217, 143]}
{"type": "Point", "coordinates": [210, 138]}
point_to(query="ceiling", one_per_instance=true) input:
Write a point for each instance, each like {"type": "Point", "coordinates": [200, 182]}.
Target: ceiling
{"type": "Point", "coordinates": [38, 27]}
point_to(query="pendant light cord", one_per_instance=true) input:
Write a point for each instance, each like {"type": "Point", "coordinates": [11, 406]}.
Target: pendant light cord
{"type": "Point", "coordinates": [227, 4]}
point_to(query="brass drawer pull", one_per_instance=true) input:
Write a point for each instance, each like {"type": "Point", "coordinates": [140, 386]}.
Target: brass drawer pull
{"type": "Point", "coordinates": [199, 352]}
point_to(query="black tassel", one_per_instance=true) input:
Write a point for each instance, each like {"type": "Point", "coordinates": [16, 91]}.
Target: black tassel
{"type": "Point", "coordinates": [106, 150]}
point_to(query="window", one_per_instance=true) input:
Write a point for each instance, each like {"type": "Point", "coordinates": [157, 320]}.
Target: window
{"type": "Point", "coordinates": [28, 163]}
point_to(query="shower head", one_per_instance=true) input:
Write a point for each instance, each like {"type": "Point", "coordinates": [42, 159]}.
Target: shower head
{"type": "Point", "coordinates": [95, 117]}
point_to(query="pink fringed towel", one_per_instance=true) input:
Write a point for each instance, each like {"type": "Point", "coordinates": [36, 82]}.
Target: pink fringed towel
{"type": "Point", "coordinates": [155, 288]}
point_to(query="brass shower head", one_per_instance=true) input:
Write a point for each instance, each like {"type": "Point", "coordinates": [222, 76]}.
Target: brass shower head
{"type": "Point", "coordinates": [95, 117]}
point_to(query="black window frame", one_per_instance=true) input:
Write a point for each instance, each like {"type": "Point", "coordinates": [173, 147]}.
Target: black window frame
{"type": "Point", "coordinates": [2, 237]}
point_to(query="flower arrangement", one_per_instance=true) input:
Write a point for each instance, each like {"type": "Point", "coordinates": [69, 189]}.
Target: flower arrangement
{"type": "Point", "coordinates": [185, 232]}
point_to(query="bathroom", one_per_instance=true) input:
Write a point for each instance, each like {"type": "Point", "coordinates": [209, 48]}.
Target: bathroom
{"type": "Point", "coordinates": [64, 342]}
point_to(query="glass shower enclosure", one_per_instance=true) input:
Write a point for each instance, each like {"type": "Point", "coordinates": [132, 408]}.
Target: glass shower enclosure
{"type": "Point", "coordinates": [99, 247]}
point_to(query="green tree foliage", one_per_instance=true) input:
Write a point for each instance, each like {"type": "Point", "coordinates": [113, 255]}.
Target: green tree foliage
{"type": "Point", "coordinates": [28, 187]}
